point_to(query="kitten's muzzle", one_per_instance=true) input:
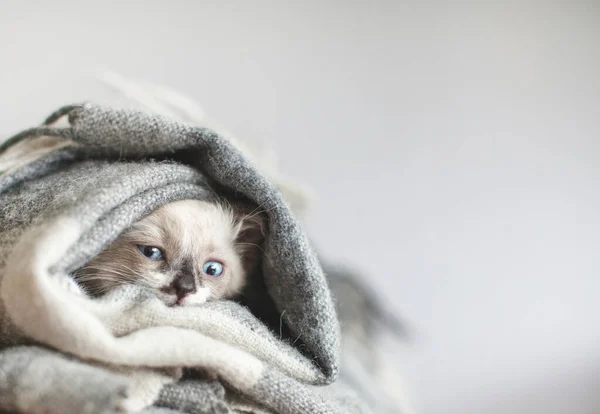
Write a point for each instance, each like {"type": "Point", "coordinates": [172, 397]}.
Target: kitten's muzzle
{"type": "Point", "coordinates": [184, 284]}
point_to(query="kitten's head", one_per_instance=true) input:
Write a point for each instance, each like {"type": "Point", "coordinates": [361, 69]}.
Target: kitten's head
{"type": "Point", "coordinates": [187, 252]}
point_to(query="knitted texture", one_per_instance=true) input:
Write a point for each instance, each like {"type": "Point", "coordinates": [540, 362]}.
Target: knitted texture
{"type": "Point", "coordinates": [125, 350]}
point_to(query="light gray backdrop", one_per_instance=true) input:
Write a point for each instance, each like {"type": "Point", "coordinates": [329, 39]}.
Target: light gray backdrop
{"type": "Point", "coordinates": [454, 148]}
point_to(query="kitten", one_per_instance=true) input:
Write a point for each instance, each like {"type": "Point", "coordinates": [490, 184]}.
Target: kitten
{"type": "Point", "coordinates": [186, 252]}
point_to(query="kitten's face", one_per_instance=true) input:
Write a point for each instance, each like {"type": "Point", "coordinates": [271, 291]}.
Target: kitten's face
{"type": "Point", "coordinates": [187, 252]}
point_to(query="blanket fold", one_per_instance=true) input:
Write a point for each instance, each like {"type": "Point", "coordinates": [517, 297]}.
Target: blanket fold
{"type": "Point", "coordinates": [277, 352]}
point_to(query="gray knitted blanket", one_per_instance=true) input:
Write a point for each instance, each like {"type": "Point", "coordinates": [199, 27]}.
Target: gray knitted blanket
{"type": "Point", "coordinates": [64, 352]}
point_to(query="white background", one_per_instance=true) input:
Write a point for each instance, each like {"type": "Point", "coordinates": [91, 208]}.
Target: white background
{"type": "Point", "coordinates": [454, 147]}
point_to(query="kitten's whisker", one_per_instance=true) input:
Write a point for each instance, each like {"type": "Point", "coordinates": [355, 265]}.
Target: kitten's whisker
{"type": "Point", "coordinates": [255, 213]}
{"type": "Point", "coordinates": [106, 275]}
{"type": "Point", "coordinates": [259, 247]}
{"type": "Point", "coordinates": [112, 268]}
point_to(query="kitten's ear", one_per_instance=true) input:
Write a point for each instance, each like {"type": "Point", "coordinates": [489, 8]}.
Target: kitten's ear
{"type": "Point", "coordinates": [251, 231]}
{"type": "Point", "coordinates": [251, 228]}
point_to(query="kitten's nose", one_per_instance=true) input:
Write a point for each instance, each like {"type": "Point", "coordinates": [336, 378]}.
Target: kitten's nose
{"type": "Point", "coordinates": [184, 284]}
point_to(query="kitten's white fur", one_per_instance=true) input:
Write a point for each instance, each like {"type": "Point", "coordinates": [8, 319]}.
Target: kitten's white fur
{"type": "Point", "coordinates": [189, 233]}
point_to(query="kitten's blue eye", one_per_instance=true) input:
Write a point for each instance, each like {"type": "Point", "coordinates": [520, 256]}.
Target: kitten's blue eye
{"type": "Point", "coordinates": [213, 268]}
{"type": "Point", "coordinates": [151, 252]}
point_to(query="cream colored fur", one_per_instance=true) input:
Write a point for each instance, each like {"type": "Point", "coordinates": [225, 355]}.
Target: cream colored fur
{"type": "Point", "coordinates": [189, 233]}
